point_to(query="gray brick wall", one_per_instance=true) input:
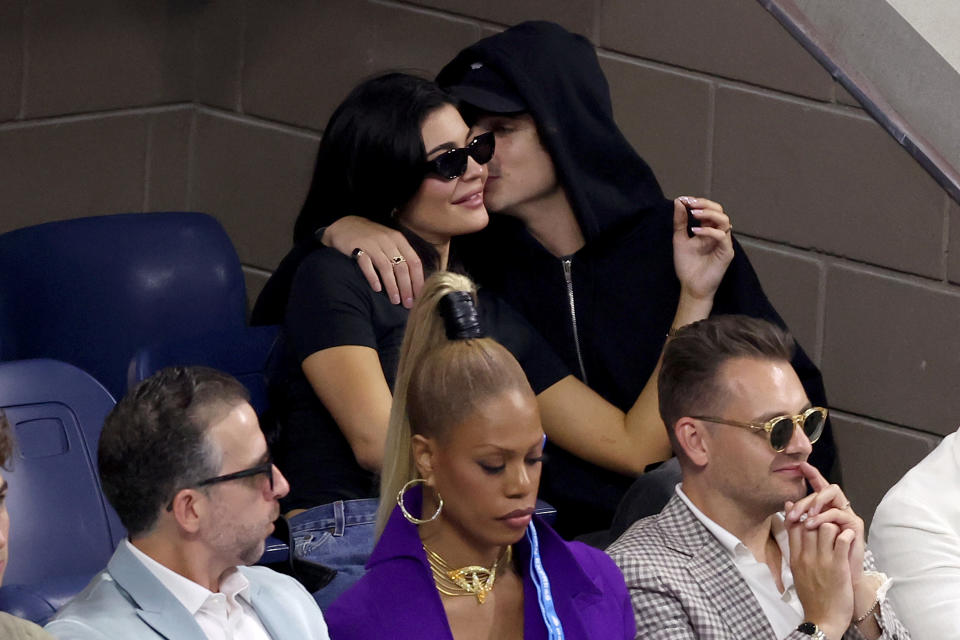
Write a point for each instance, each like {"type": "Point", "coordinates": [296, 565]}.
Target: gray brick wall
{"type": "Point", "coordinates": [124, 105]}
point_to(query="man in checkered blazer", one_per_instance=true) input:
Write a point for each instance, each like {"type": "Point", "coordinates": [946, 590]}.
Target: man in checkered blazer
{"type": "Point", "coordinates": [741, 551]}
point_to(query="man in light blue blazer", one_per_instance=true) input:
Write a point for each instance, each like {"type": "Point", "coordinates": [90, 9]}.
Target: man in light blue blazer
{"type": "Point", "coordinates": [184, 463]}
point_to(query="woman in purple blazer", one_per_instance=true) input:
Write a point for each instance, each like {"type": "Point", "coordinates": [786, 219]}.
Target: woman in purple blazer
{"type": "Point", "coordinates": [460, 552]}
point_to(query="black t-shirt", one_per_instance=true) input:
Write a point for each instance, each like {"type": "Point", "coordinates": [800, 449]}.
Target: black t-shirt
{"type": "Point", "coordinates": [332, 305]}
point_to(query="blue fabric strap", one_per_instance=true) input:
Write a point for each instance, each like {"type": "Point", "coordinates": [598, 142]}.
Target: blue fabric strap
{"type": "Point", "coordinates": [542, 583]}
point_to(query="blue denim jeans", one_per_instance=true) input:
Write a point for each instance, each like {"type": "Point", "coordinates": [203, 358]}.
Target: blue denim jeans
{"type": "Point", "coordinates": [338, 535]}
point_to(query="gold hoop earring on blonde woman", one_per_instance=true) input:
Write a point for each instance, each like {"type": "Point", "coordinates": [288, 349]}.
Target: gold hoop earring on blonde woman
{"type": "Point", "coordinates": [409, 516]}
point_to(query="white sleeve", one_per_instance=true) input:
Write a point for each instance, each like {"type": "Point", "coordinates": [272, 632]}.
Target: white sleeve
{"type": "Point", "coordinates": [915, 543]}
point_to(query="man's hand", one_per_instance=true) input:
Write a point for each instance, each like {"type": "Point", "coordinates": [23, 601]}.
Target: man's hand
{"type": "Point", "coordinates": [379, 244]}
{"type": "Point", "coordinates": [828, 504]}
{"type": "Point", "coordinates": [701, 261]}
{"type": "Point", "coordinates": [821, 575]}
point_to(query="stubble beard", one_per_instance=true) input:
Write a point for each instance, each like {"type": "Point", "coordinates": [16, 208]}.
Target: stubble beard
{"type": "Point", "coordinates": [245, 543]}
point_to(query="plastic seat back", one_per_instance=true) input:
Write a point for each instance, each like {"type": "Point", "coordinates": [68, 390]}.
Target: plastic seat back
{"type": "Point", "coordinates": [61, 522]}
{"type": "Point", "coordinates": [91, 291]}
{"type": "Point", "coordinates": [241, 352]}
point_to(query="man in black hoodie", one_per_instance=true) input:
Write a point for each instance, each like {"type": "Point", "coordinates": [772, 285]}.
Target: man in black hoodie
{"type": "Point", "coordinates": [583, 245]}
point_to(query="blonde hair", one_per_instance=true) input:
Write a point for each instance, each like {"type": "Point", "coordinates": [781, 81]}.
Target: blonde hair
{"type": "Point", "coordinates": [440, 382]}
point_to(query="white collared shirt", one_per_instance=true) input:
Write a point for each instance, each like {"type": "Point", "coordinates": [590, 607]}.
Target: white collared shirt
{"type": "Point", "coordinates": [225, 615]}
{"type": "Point", "coordinates": [783, 610]}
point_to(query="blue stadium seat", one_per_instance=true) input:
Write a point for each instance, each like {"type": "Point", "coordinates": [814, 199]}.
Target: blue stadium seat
{"type": "Point", "coordinates": [92, 291]}
{"type": "Point", "coordinates": [38, 601]}
{"type": "Point", "coordinates": [242, 352]}
{"type": "Point", "coordinates": [63, 530]}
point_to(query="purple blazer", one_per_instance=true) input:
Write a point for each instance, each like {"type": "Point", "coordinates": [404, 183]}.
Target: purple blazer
{"type": "Point", "coordinates": [397, 598]}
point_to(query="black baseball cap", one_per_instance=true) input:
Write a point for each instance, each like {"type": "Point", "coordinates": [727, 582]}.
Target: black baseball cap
{"type": "Point", "coordinates": [483, 88]}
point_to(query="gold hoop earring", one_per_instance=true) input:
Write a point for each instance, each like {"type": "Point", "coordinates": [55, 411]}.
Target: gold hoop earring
{"type": "Point", "coordinates": [407, 514]}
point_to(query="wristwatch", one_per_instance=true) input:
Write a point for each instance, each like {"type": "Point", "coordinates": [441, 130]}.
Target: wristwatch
{"type": "Point", "coordinates": [812, 630]}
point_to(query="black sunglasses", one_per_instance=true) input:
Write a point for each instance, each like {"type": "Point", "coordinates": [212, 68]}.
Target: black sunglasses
{"type": "Point", "coordinates": [453, 163]}
{"type": "Point", "coordinates": [780, 429]}
{"type": "Point", "coordinates": [266, 467]}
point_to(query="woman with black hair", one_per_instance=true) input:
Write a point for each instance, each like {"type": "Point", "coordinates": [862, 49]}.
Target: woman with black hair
{"type": "Point", "coordinates": [397, 152]}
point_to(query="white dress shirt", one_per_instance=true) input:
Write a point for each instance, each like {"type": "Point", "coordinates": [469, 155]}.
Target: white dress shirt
{"type": "Point", "coordinates": [225, 615]}
{"type": "Point", "coordinates": [783, 610]}
{"type": "Point", "coordinates": [915, 537]}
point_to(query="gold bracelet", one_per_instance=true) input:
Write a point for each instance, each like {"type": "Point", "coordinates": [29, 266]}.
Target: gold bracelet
{"type": "Point", "coordinates": [873, 607]}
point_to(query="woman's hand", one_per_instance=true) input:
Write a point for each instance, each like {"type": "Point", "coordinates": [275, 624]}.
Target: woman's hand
{"type": "Point", "coordinates": [701, 261]}
{"type": "Point", "coordinates": [379, 245]}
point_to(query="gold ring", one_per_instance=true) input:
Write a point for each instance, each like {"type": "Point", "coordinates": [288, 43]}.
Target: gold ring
{"type": "Point", "coordinates": [398, 260]}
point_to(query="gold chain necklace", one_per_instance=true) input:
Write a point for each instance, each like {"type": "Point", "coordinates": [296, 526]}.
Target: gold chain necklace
{"type": "Point", "coordinates": [466, 581]}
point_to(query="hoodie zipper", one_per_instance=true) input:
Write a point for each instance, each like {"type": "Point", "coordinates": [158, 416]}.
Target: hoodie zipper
{"type": "Point", "coordinates": [568, 276]}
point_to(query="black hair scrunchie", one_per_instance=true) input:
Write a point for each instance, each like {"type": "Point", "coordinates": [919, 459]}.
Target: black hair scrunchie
{"type": "Point", "coordinates": [460, 317]}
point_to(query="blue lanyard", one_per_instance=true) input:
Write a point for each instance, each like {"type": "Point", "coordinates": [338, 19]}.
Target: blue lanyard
{"type": "Point", "coordinates": [542, 583]}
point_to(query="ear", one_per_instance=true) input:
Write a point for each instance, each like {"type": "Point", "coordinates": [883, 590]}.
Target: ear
{"type": "Point", "coordinates": [189, 508]}
{"type": "Point", "coordinates": [424, 450]}
{"type": "Point", "coordinates": [693, 438]}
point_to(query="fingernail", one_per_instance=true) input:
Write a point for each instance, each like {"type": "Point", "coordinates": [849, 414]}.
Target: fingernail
{"type": "Point", "coordinates": [697, 212]}
{"type": "Point", "coordinates": [408, 303]}
{"type": "Point", "coordinates": [395, 299]}
{"type": "Point", "coordinates": [691, 201]}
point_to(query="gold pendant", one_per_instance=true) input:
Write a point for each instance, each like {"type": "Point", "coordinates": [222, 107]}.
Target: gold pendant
{"type": "Point", "coordinates": [474, 580]}
{"type": "Point", "coordinates": [467, 581]}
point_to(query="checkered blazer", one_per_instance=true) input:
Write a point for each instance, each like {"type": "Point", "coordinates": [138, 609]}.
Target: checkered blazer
{"type": "Point", "coordinates": [684, 586]}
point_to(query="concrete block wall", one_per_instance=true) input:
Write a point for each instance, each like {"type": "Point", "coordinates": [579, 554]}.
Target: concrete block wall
{"type": "Point", "coordinates": [218, 106]}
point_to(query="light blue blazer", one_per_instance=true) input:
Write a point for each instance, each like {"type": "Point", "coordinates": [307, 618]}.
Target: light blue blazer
{"type": "Point", "coordinates": [126, 601]}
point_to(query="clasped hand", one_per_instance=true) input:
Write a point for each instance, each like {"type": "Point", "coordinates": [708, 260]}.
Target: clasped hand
{"type": "Point", "coordinates": [826, 555]}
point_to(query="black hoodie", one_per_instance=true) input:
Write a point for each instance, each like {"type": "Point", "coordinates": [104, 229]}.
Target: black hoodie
{"type": "Point", "coordinates": [619, 291]}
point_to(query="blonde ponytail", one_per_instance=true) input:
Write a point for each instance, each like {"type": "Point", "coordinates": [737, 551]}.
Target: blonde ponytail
{"type": "Point", "coordinates": [439, 383]}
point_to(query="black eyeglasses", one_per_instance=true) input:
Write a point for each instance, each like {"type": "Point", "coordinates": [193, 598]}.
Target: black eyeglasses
{"type": "Point", "coordinates": [266, 467]}
{"type": "Point", "coordinates": [453, 163]}
{"type": "Point", "coordinates": [780, 429]}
